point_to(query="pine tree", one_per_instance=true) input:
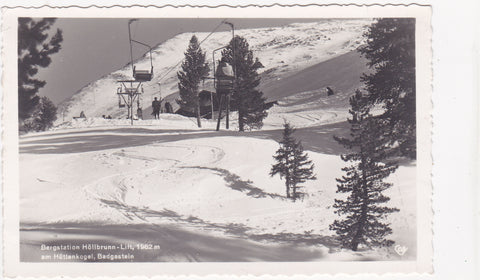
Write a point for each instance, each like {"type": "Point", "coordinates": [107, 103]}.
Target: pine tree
{"type": "Point", "coordinates": [194, 68]}
{"type": "Point", "coordinates": [363, 211]}
{"type": "Point", "coordinates": [47, 113]}
{"type": "Point", "coordinates": [390, 50]}
{"type": "Point", "coordinates": [292, 163]}
{"type": "Point", "coordinates": [43, 116]}
{"type": "Point", "coordinates": [35, 48]}
{"type": "Point", "coordinates": [249, 102]}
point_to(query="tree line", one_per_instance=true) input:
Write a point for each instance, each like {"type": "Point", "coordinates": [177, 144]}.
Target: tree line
{"type": "Point", "coordinates": [246, 99]}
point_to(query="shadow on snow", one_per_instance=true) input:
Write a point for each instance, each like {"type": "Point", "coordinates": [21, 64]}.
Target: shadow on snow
{"type": "Point", "coordinates": [318, 139]}
{"type": "Point", "coordinates": [236, 183]}
{"type": "Point", "coordinates": [176, 242]}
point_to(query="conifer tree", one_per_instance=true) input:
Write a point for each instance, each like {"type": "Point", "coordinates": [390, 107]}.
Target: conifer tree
{"type": "Point", "coordinates": [390, 50]}
{"type": "Point", "coordinates": [194, 68]}
{"type": "Point", "coordinates": [42, 117]}
{"type": "Point", "coordinates": [292, 163]}
{"type": "Point", "coordinates": [249, 102]}
{"type": "Point", "coordinates": [47, 113]}
{"type": "Point", "coordinates": [363, 210]}
{"type": "Point", "coordinates": [35, 47]}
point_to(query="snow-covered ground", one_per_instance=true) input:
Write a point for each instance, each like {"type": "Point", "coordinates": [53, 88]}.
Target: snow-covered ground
{"type": "Point", "coordinates": [97, 171]}
{"type": "Point", "coordinates": [193, 178]}
{"type": "Point", "coordinates": [203, 195]}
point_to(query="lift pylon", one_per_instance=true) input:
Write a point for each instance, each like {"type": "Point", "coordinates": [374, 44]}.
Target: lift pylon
{"type": "Point", "coordinates": [129, 92]}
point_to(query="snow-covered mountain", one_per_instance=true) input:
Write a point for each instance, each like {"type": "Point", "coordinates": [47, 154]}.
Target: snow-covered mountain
{"type": "Point", "coordinates": [168, 175]}
{"type": "Point", "coordinates": [284, 51]}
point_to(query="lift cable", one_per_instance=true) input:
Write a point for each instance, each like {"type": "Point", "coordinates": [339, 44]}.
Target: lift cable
{"type": "Point", "coordinates": [204, 39]}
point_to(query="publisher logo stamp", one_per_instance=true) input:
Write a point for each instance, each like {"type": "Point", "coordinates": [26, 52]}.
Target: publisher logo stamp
{"type": "Point", "coordinates": [401, 250]}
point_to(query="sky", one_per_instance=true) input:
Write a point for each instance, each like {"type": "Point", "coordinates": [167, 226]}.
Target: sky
{"type": "Point", "coordinates": [94, 47]}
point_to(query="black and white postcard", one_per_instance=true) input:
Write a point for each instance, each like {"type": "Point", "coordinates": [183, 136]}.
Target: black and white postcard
{"type": "Point", "coordinates": [196, 140]}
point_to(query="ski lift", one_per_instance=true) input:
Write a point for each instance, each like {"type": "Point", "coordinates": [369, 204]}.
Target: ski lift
{"type": "Point", "coordinates": [224, 76]}
{"type": "Point", "coordinates": [140, 75]}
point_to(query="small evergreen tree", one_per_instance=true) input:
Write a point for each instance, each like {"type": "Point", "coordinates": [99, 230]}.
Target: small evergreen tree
{"type": "Point", "coordinates": [47, 113]}
{"type": "Point", "coordinates": [249, 102]}
{"type": "Point", "coordinates": [34, 51]}
{"type": "Point", "coordinates": [390, 50]}
{"type": "Point", "coordinates": [292, 163]}
{"type": "Point", "coordinates": [42, 117]}
{"type": "Point", "coordinates": [194, 68]}
{"type": "Point", "coordinates": [362, 210]}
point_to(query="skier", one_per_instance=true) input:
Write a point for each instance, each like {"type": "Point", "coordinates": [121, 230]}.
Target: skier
{"type": "Point", "coordinates": [330, 91]}
{"type": "Point", "coordinates": [156, 108]}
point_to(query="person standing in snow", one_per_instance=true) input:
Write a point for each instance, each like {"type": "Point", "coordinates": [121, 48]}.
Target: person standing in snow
{"type": "Point", "coordinates": [156, 108]}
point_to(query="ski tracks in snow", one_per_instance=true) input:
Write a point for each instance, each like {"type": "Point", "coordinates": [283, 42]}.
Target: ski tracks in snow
{"type": "Point", "coordinates": [164, 162]}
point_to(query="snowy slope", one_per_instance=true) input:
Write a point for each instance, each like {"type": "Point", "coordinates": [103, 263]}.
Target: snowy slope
{"type": "Point", "coordinates": [207, 186]}
{"type": "Point", "coordinates": [282, 50]}
{"type": "Point", "coordinates": [201, 180]}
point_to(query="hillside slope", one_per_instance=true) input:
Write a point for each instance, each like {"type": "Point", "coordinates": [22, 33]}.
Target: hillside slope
{"type": "Point", "coordinates": [283, 51]}
{"type": "Point", "coordinates": [341, 73]}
